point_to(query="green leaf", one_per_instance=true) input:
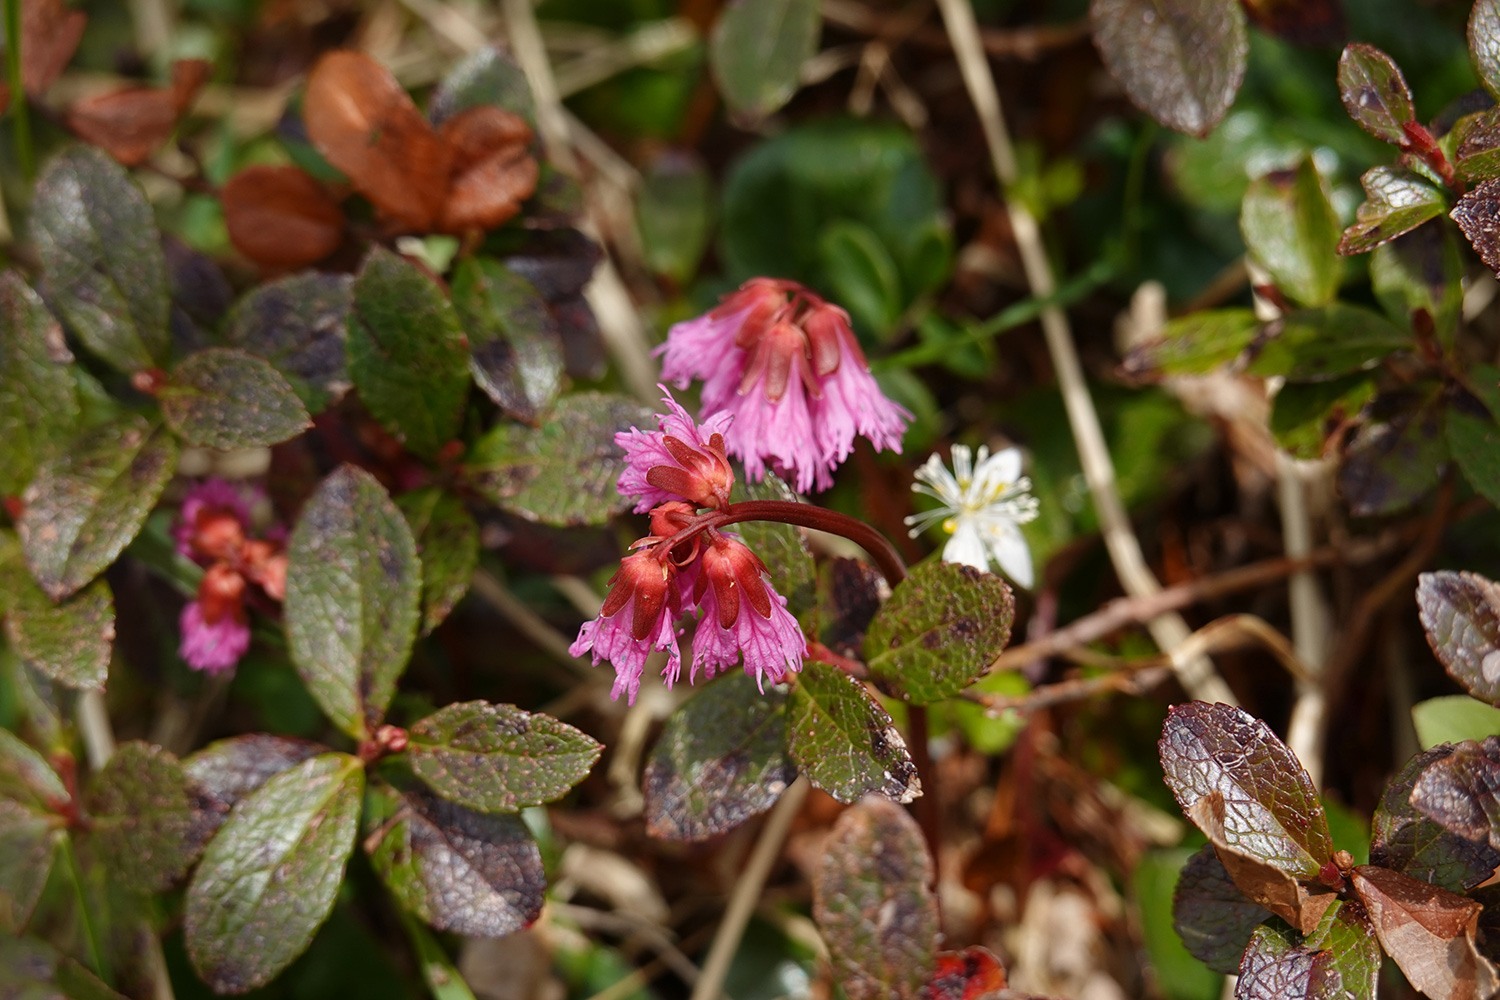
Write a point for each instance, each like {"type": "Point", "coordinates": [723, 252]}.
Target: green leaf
{"type": "Point", "coordinates": [86, 505]}
{"type": "Point", "coordinates": [1397, 200]}
{"type": "Point", "coordinates": [498, 758]}
{"type": "Point", "coordinates": [1180, 61]}
{"type": "Point", "coordinates": [782, 547]}
{"type": "Point", "coordinates": [1276, 965]}
{"type": "Point", "coordinates": [270, 875]}
{"type": "Point", "coordinates": [297, 324]}
{"type": "Point", "coordinates": [564, 472]}
{"type": "Point", "coordinates": [861, 275]}
{"type": "Point", "coordinates": [147, 828]}
{"type": "Point", "coordinates": [1319, 344]}
{"type": "Point", "coordinates": [26, 777]}
{"type": "Point", "coordinates": [1454, 718]}
{"type": "Point", "coordinates": [70, 641]}
{"type": "Point", "coordinates": [38, 401]}
{"type": "Point", "coordinates": [1290, 227]}
{"type": "Point", "coordinates": [721, 759]}
{"type": "Point", "coordinates": [1403, 839]}
{"type": "Point", "coordinates": [846, 744]}
{"type": "Point", "coordinates": [224, 398]}
{"type": "Point", "coordinates": [103, 269]}
{"type": "Point", "coordinates": [486, 76]}
{"type": "Point", "coordinates": [1247, 792]}
{"type": "Point", "coordinates": [353, 589]}
{"type": "Point", "coordinates": [939, 632]}
{"type": "Point", "coordinates": [1475, 215]}
{"type": "Point", "coordinates": [1181, 976]}
{"type": "Point", "coordinates": [757, 49]}
{"type": "Point", "coordinates": [1345, 935]}
{"type": "Point", "coordinates": [1399, 455]}
{"type": "Point", "coordinates": [1375, 93]}
{"type": "Point", "coordinates": [33, 970]}
{"type": "Point", "coordinates": [1484, 43]}
{"type": "Point", "coordinates": [1305, 416]}
{"type": "Point", "coordinates": [407, 354]}
{"type": "Point", "coordinates": [517, 352]}
{"type": "Point", "coordinates": [1421, 271]}
{"type": "Point", "coordinates": [1461, 615]}
{"type": "Point", "coordinates": [447, 540]}
{"type": "Point", "coordinates": [873, 902]}
{"type": "Point", "coordinates": [1210, 913]}
{"type": "Point", "coordinates": [673, 213]}
{"type": "Point", "coordinates": [1195, 344]}
{"type": "Point", "coordinates": [28, 846]}
{"type": "Point", "coordinates": [463, 872]}
{"type": "Point", "coordinates": [1476, 154]}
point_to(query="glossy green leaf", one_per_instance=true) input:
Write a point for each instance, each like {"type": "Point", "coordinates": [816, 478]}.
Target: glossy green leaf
{"type": "Point", "coordinates": [1397, 200]}
{"type": "Point", "coordinates": [270, 875]}
{"type": "Point", "coordinates": [103, 269]}
{"type": "Point", "coordinates": [1403, 839]}
{"type": "Point", "coordinates": [1375, 93]}
{"type": "Point", "coordinates": [1484, 43]}
{"type": "Point", "coordinates": [28, 845]}
{"type": "Point", "coordinates": [873, 902]}
{"type": "Point", "coordinates": [353, 592]}
{"type": "Point", "coordinates": [840, 737]}
{"type": "Point", "coordinates": [1195, 344]}
{"type": "Point", "coordinates": [225, 398]}
{"type": "Point", "coordinates": [1453, 718]}
{"type": "Point", "coordinates": [1473, 431]}
{"type": "Point", "coordinates": [146, 825]}
{"type": "Point", "coordinates": [1305, 415]}
{"type": "Point", "coordinates": [1291, 229]}
{"type": "Point", "coordinates": [498, 758]}
{"type": "Point", "coordinates": [447, 540]}
{"type": "Point", "coordinates": [297, 324]}
{"type": "Point", "coordinates": [86, 505]}
{"type": "Point", "coordinates": [1347, 938]}
{"type": "Point", "coordinates": [1319, 344]}
{"type": "Point", "coordinates": [1421, 271]}
{"type": "Point", "coordinates": [757, 49]}
{"type": "Point", "coordinates": [70, 640]}
{"type": "Point", "coordinates": [407, 355]}
{"type": "Point", "coordinates": [1247, 792]}
{"type": "Point", "coordinates": [516, 350]}
{"type": "Point", "coordinates": [465, 872]}
{"type": "Point", "coordinates": [940, 630]}
{"type": "Point", "coordinates": [1276, 965]}
{"type": "Point", "coordinates": [721, 759]}
{"type": "Point", "coordinates": [38, 401]}
{"type": "Point", "coordinates": [486, 76]}
{"type": "Point", "coordinates": [1180, 61]}
{"type": "Point", "coordinates": [563, 472]}
{"type": "Point", "coordinates": [673, 212]}
{"type": "Point", "coordinates": [1181, 975]}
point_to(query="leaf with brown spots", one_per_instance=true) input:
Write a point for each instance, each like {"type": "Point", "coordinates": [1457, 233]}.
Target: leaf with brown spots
{"type": "Point", "coordinates": [844, 741]}
{"type": "Point", "coordinates": [1429, 931]}
{"type": "Point", "coordinates": [149, 822]}
{"type": "Point", "coordinates": [939, 632]}
{"type": "Point", "coordinates": [448, 543]}
{"type": "Point", "coordinates": [1476, 214]}
{"type": "Point", "coordinates": [280, 216]}
{"type": "Point", "coordinates": [225, 398]}
{"type": "Point", "coordinates": [69, 640]}
{"type": "Point", "coordinates": [297, 324]}
{"type": "Point", "coordinates": [129, 124]}
{"type": "Point", "coordinates": [1461, 616]}
{"type": "Point", "coordinates": [227, 770]}
{"type": "Point", "coordinates": [39, 406]}
{"type": "Point", "coordinates": [873, 903]}
{"type": "Point", "coordinates": [361, 120]}
{"type": "Point", "coordinates": [1375, 93]}
{"type": "Point", "coordinates": [516, 351]}
{"type": "Point", "coordinates": [1397, 200]}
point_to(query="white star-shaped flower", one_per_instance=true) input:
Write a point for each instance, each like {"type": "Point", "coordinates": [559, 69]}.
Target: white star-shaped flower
{"type": "Point", "coordinates": [983, 505]}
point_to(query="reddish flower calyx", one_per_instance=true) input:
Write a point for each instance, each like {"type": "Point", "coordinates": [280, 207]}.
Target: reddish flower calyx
{"type": "Point", "coordinates": [700, 474]}
{"type": "Point", "coordinates": [645, 578]}
{"type": "Point", "coordinates": [217, 533]}
{"type": "Point", "coordinates": [221, 593]}
{"type": "Point", "coordinates": [732, 570]}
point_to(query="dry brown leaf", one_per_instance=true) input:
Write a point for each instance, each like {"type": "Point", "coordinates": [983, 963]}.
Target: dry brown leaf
{"type": "Point", "coordinates": [50, 33]}
{"type": "Point", "coordinates": [493, 171]}
{"type": "Point", "coordinates": [129, 124]}
{"type": "Point", "coordinates": [1429, 931]}
{"type": "Point", "coordinates": [361, 120]}
{"type": "Point", "coordinates": [280, 216]}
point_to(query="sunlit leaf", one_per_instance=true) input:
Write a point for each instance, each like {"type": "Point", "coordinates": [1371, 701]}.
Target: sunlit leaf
{"type": "Point", "coordinates": [845, 743]}
{"type": "Point", "coordinates": [1461, 614]}
{"type": "Point", "coordinates": [1429, 931]}
{"type": "Point", "coordinates": [1375, 93]}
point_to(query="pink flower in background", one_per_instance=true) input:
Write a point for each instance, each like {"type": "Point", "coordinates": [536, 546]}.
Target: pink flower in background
{"type": "Point", "coordinates": [213, 520]}
{"type": "Point", "coordinates": [678, 461]}
{"type": "Point", "coordinates": [787, 366]}
{"type": "Point", "coordinates": [211, 646]}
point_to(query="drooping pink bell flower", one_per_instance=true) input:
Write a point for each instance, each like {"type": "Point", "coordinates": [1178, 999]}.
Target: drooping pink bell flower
{"type": "Point", "coordinates": [786, 364]}
{"type": "Point", "coordinates": [636, 618]}
{"type": "Point", "coordinates": [680, 460]}
{"type": "Point", "coordinates": [743, 617]}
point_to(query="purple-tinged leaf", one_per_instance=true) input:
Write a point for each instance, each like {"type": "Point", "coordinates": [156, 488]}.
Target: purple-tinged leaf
{"type": "Point", "coordinates": [69, 640]}
{"type": "Point", "coordinates": [469, 873]}
{"type": "Point", "coordinates": [1398, 456]}
{"type": "Point", "coordinates": [269, 877]}
{"type": "Point", "coordinates": [149, 823]}
{"type": "Point", "coordinates": [1429, 931]}
{"type": "Point", "coordinates": [1476, 157]}
{"type": "Point", "coordinates": [873, 902]}
{"type": "Point", "coordinates": [844, 741]}
{"type": "Point", "coordinates": [225, 398]}
{"type": "Point", "coordinates": [297, 324]}
{"type": "Point", "coordinates": [1404, 840]}
{"type": "Point", "coordinates": [497, 758]}
{"type": "Point", "coordinates": [1180, 61]}
{"type": "Point", "coordinates": [721, 759]}
{"type": "Point", "coordinates": [31, 969]}
{"type": "Point", "coordinates": [38, 400]}
{"type": "Point", "coordinates": [1276, 967]}
{"type": "Point", "coordinates": [1290, 227]}
{"type": "Point", "coordinates": [1375, 93]}
{"type": "Point", "coordinates": [516, 352]}
{"type": "Point", "coordinates": [1247, 792]}
{"type": "Point", "coordinates": [942, 627]}
{"type": "Point", "coordinates": [353, 587]}
{"type": "Point", "coordinates": [448, 544]}
{"type": "Point", "coordinates": [1484, 43]}
{"type": "Point", "coordinates": [1195, 344]}
{"type": "Point", "coordinates": [1461, 615]}
{"type": "Point", "coordinates": [28, 844]}
{"type": "Point", "coordinates": [1397, 200]}
{"type": "Point", "coordinates": [1211, 914]}
{"type": "Point", "coordinates": [1478, 215]}
{"type": "Point", "coordinates": [228, 770]}
{"type": "Point", "coordinates": [86, 505]}
{"type": "Point", "coordinates": [1461, 791]}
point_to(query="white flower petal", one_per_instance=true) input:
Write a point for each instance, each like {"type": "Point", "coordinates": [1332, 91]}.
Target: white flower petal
{"type": "Point", "coordinates": [1008, 547]}
{"type": "Point", "coordinates": [1004, 466]}
{"type": "Point", "coordinates": [966, 547]}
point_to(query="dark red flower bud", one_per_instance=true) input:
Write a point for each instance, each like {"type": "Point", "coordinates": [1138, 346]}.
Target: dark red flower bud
{"type": "Point", "coordinates": [221, 593]}
{"type": "Point", "coordinates": [643, 581]}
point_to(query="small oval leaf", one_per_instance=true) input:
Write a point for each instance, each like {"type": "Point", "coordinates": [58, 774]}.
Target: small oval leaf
{"type": "Point", "coordinates": [845, 743]}
{"type": "Point", "coordinates": [224, 398]}
{"type": "Point", "coordinates": [757, 50]}
{"type": "Point", "coordinates": [1375, 93]}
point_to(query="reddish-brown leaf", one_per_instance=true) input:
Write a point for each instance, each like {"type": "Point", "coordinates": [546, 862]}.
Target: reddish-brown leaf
{"type": "Point", "coordinates": [493, 171]}
{"type": "Point", "coordinates": [970, 974]}
{"type": "Point", "coordinates": [361, 120]}
{"type": "Point", "coordinates": [1301, 22]}
{"type": "Point", "coordinates": [129, 124]}
{"type": "Point", "coordinates": [280, 216]}
{"type": "Point", "coordinates": [50, 33]}
{"type": "Point", "coordinates": [1429, 931]}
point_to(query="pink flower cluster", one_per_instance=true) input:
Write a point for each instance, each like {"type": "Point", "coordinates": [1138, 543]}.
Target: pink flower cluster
{"type": "Point", "coordinates": [786, 366]}
{"type": "Point", "coordinates": [685, 567]}
{"type": "Point", "coordinates": [212, 529]}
